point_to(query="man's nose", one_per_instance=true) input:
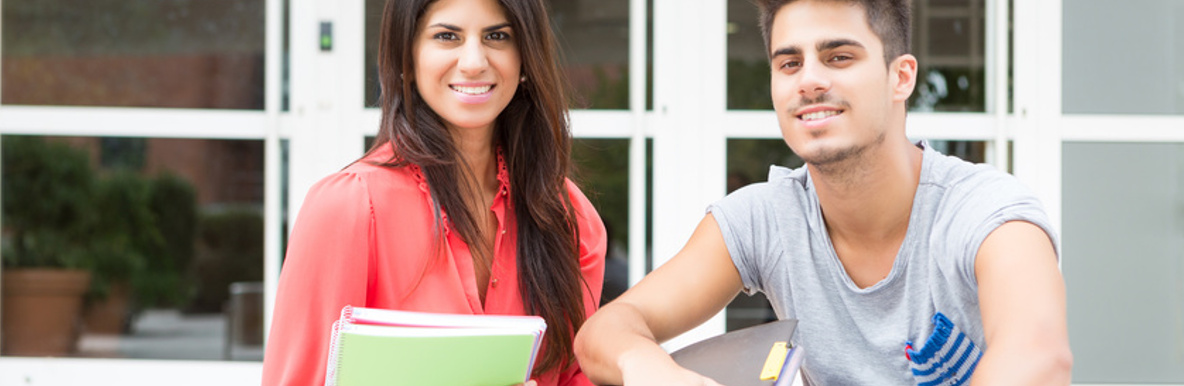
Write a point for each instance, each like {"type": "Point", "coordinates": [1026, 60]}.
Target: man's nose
{"type": "Point", "coordinates": [814, 80]}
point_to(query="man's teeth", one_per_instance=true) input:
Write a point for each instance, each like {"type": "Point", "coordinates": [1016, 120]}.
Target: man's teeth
{"type": "Point", "coordinates": [472, 90]}
{"type": "Point", "coordinates": [819, 115]}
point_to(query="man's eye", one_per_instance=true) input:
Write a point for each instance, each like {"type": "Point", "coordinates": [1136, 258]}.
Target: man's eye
{"type": "Point", "coordinates": [789, 64]}
{"type": "Point", "coordinates": [498, 35]}
{"type": "Point", "coordinates": [445, 36]}
{"type": "Point", "coordinates": [840, 58]}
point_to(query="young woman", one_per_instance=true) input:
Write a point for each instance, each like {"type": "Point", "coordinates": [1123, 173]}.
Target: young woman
{"type": "Point", "coordinates": [462, 205]}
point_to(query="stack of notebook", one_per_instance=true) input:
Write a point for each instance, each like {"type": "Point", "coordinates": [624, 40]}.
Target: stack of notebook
{"type": "Point", "coordinates": [386, 347]}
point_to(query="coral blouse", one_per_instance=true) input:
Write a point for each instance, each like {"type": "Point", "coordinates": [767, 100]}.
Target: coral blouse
{"type": "Point", "coordinates": [366, 237]}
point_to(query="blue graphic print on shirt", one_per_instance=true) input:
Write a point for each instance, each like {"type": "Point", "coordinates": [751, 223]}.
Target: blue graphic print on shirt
{"type": "Point", "coordinates": [947, 358]}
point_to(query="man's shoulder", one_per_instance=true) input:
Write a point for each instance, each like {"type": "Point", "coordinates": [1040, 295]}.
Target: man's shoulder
{"type": "Point", "coordinates": [958, 176]}
{"type": "Point", "coordinates": [785, 196]}
{"type": "Point", "coordinates": [782, 183]}
{"type": "Point", "coordinates": [966, 197]}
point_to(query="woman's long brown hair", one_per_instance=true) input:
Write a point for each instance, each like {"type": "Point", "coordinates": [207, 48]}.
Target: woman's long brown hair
{"type": "Point", "coordinates": [535, 139]}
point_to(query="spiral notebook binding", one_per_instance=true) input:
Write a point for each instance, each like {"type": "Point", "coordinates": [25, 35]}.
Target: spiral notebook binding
{"type": "Point", "coordinates": [335, 345]}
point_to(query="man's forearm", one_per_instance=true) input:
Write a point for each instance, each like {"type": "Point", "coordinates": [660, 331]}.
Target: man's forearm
{"type": "Point", "coordinates": [615, 335]}
{"type": "Point", "coordinates": [1031, 363]}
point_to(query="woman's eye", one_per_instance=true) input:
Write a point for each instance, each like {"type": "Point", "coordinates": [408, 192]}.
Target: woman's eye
{"type": "Point", "coordinates": [498, 35]}
{"type": "Point", "coordinates": [445, 36]}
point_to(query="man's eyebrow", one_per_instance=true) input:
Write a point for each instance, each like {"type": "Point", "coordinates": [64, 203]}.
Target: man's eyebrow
{"type": "Point", "coordinates": [458, 29]}
{"type": "Point", "coordinates": [836, 43]}
{"type": "Point", "coordinates": [821, 46]}
{"type": "Point", "coordinates": [791, 50]}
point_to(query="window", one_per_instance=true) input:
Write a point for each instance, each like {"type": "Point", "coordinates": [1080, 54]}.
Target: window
{"type": "Point", "coordinates": [136, 53]}
{"type": "Point", "coordinates": [172, 243]}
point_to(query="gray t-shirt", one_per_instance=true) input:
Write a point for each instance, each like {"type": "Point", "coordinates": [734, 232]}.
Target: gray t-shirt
{"type": "Point", "coordinates": [928, 303]}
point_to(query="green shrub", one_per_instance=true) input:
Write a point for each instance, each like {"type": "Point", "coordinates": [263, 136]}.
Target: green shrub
{"type": "Point", "coordinates": [125, 231]}
{"type": "Point", "coordinates": [173, 203]}
{"type": "Point", "coordinates": [59, 213]}
{"type": "Point", "coordinates": [47, 204]}
{"type": "Point", "coordinates": [230, 249]}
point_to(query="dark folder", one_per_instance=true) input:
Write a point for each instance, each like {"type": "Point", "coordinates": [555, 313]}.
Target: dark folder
{"type": "Point", "coordinates": [737, 358]}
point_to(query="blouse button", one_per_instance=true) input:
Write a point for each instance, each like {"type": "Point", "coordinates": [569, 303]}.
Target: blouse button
{"type": "Point", "coordinates": [494, 283]}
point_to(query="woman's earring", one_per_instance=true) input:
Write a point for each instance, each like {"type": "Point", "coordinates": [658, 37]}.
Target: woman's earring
{"type": "Point", "coordinates": [522, 79]}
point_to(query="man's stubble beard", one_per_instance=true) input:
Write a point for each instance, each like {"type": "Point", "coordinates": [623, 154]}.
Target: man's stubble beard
{"type": "Point", "coordinates": [843, 162]}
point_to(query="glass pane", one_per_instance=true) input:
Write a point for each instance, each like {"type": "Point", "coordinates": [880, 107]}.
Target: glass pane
{"type": "Point", "coordinates": [649, 205]}
{"type": "Point", "coordinates": [649, 56]}
{"type": "Point", "coordinates": [1142, 40]}
{"type": "Point", "coordinates": [1123, 250]}
{"type": "Point", "coordinates": [133, 53]}
{"type": "Point", "coordinates": [602, 172]}
{"type": "Point", "coordinates": [285, 178]}
{"type": "Point", "coordinates": [373, 28]}
{"type": "Point", "coordinates": [169, 232]}
{"type": "Point", "coordinates": [593, 36]}
{"type": "Point", "coordinates": [286, 76]}
{"type": "Point", "coordinates": [969, 151]}
{"type": "Point", "coordinates": [748, 61]}
{"type": "Point", "coordinates": [948, 41]}
{"type": "Point", "coordinates": [749, 160]}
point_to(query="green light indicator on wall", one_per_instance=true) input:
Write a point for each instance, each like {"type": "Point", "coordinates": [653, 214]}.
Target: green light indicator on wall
{"type": "Point", "coordinates": [326, 36]}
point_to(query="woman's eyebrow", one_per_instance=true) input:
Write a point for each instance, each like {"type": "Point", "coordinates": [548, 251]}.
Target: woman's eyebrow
{"type": "Point", "coordinates": [458, 29]}
{"type": "Point", "coordinates": [496, 27]}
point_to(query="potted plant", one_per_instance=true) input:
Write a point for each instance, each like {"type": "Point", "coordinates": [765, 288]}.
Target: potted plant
{"type": "Point", "coordinates": [173, 203]}
{"type": "Point", "coordinates": [125, 232]}
{"type": "Point", "coordinates": [122, 237]}
{"type": "Point", "coordinates": [47, 190]}
{"type": "Point", "coordinates": [145, 241]}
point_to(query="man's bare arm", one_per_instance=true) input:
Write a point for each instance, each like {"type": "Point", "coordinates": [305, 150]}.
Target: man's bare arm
{"type": "Point", "coordinates": [619, 344]}
{"type": "Point", "coordinates": [1022, 299]}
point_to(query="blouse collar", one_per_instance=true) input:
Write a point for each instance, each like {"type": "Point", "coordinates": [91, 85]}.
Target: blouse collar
{"type": "Point", "coordinates": [503, 174]}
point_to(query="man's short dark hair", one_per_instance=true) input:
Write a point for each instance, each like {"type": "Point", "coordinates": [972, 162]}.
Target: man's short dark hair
{"type": "Point", "coordinates": [890, 20]}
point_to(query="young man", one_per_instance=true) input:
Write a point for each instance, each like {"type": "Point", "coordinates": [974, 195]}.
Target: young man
{"type": "Point", "coordinates": [903, 265]}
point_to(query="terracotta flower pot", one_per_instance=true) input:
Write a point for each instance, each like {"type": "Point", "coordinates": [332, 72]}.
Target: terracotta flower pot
{"type": "Point", "coordinates": [41, 310]}
{"type": "Point", "coordinates": [108, 316]}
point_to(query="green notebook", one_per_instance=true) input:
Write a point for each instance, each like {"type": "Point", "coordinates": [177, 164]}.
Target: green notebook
{"type": "Point", "coordinates": [384, 347]}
